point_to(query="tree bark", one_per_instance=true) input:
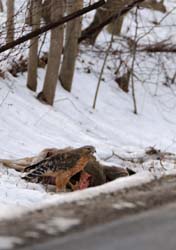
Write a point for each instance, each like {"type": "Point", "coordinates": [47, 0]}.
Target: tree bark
{"type": "Point", "coordinates": [117, 29]}
{"type": "Point", "coordinates": [46, 11]}
{"type": "Point", "coordinates": [1, 6]}
{"type": "Point", "coordinates": [73, 32]}
{"type": "Point", "coordinates": [33, 51]}
{"type": "Point", "coordinates": [55, 51]}
{"type": "Point", "coordinates": [10, 21]}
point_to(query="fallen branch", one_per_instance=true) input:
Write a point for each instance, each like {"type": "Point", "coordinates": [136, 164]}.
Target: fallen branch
{"type": "Point", "coordinates": [150, 154]}
{"type": "Point", "coordinates": [158, 48]}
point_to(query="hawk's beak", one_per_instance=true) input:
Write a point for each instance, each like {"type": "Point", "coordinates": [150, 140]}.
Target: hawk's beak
{"type": "Point", "coordinates": [94, 151]}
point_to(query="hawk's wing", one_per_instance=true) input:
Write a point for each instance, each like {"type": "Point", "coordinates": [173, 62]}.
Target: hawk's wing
{"type": "Point", "coordinates": [53, 164]}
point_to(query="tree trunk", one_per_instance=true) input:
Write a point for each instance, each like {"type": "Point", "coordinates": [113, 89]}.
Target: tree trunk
{"type": "Point", "coordinates": [1, 6]}
{"type": "Point", "coordinates": [46, 11]}
{"type": "Point", "coordinates": [117, 29]}
{"type": "Point", "coordinates": [111, 8]}
{"type": "Point", "coordinates": [150, 4]}
{"type": "Point", "coordinates": [73, 32]}
{"type": "Point", "coordinates": [56, 46]}
{"type": "Point", "coordinates": [10, 21]}
{"type": "Point", "coordinates": [33, 51]}
{"type": "Point", "coordinates": [102, 14]}
{"type": "Point", "coordinates": [154, 5]}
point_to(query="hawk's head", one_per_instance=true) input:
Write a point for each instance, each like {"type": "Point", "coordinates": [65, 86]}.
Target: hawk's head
{"type": "Point", "coordinates": [87, 150]}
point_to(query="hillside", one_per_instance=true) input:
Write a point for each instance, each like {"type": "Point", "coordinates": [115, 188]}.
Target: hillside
{"type": "Point", "coordinates": [28, 126]}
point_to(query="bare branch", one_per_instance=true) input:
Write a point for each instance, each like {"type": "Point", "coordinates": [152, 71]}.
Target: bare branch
{"type": "Point", "coordinates": [51, 25]}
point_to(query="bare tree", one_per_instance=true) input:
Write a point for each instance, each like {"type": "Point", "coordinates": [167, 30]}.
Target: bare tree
{"type": "Point", "coordinates": [149, 4]}
{"type": "Point", "coordinates": [10, 21]}
{"type": "Point", "coordinates": [55, 51]}
{"type": "Point", "coordinates": [109, 9]}
{"type": "Point", "coordinates": [33, 51]}
{"type": "Point", "coordinates": [1, 6]}
{"type": "Point", "coordinates": [53, 25]}
{"type": "Point", "coordinates": [73, 32]}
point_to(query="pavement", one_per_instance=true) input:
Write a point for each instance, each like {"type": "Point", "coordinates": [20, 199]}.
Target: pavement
{"type": "Point", "coordinates": [154, 230]}
{"type": "Point", "coordinates": [135, 218]}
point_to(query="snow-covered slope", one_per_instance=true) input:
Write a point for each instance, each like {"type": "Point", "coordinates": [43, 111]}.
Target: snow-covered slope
{"type": "Point", "coordinates": [27, 127]}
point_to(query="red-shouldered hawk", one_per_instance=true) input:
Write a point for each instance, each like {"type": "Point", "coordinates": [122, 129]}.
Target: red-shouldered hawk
{"type": "Point", "coordinates": [62, 166]}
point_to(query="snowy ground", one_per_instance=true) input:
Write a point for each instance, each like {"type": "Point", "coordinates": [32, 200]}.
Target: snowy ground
{"type": "Point", "coordinates": [27, 127]}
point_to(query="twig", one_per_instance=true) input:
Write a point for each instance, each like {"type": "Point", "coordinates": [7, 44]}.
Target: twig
{"type": "Point", "coordinates": [161, 20]}
{"type": "Point", "coordinates": [43, 41]}
{"type": "Point", "coordinates": [5, 97]}
{"type": "Point", "coordinates": [133, 62]}
{"type": "Point", "coordinates": [132, 160]}
{"type": "Point", "coordinates": [104, 62]}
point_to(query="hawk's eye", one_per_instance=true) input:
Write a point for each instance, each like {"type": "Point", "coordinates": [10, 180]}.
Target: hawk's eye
{"type": "Point", "coordinates": [90, 148]}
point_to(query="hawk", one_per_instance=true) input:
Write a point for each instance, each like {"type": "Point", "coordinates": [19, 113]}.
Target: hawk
{"type": "Point", "coordinates": [62, 166]}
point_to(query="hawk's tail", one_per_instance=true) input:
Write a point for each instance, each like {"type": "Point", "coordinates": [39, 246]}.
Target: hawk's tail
{"type": "Point", "coordinates": [36, 172]}
{"type": "Point", "coordinates": [33, 166]}
{"type": "Point", "coordinates": [31, 178]}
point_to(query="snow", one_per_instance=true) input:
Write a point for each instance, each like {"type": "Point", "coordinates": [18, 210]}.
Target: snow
{"type": "Point", "coordinates": [123, 204]}
{"type": "Point", "coordinates": [119, 184]}
{"type": "Point", "coordinates": [59, 224]}
{"type": "Point", "coordinates": [23, 197]}
{"type": "Point", "coordinates": [27, 126]}
{"type": "Point", "coordinates": [7, 242]}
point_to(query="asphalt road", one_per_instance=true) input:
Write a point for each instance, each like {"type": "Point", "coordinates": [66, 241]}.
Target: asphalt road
{"type": "Point", "coordinates": [152, 230]}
